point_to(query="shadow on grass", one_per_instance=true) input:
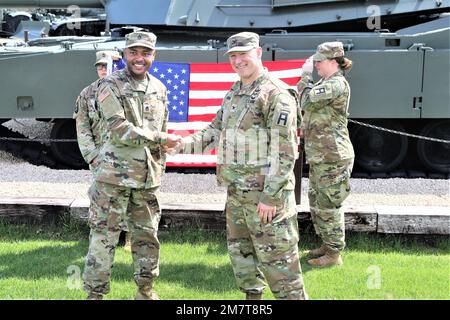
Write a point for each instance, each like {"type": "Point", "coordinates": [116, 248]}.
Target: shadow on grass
{"type": "Point", "coordinates": [57, 261]}
{"type": "Point", "coordinates": [55, 258]}
{"type": "Point", "coordinates": [199, 276]}
{"type": "Point", "coordinates": [63, 229]}
{"type": "Point", "coordinates": [379, 242]}
{"type": "Point", "coordinates": [45, 262]}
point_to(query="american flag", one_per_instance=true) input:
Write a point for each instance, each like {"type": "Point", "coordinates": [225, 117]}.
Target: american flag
{"type": "Point", "coordinates": [195, 92]}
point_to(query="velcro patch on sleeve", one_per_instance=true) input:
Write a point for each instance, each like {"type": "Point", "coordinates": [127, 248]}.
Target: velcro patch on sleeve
{"type": "Point", "coordinates": [104, 94]}
{"type": "Point", "coordinates": [109, 104]}
{"type": "Point", "coordinates": [321, 92]}
{"type": "Point", "coordinates": [283, 118]}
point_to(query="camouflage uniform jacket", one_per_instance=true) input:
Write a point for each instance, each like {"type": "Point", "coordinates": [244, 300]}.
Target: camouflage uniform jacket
{"type": "Point", "coordinates": [90, 128]}
{"type": "Point", "coordinates": [255, 132]}
{"type": "Point", "coordinates": [325, 106]}
{"type": "Point", "coordinates": [136, 118]}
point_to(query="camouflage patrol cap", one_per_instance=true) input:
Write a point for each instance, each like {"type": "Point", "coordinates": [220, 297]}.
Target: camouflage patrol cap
{"type": "Point", "coordinates": [243, 41]}
{"type": "Point", "coordinates": [140, 39]}
{"type": "Point", "coordinates": [102, 56]}
{"type": "Point", "coordinates": [329, 50]}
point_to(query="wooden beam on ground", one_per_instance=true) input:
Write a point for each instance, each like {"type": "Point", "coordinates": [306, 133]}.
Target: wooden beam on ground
{"type": "Point", "coordinates": [79, 209]}
{"type": "Point", "coordinates": [358, 219]}
{"type": "Point", "coordinates": [201, 215]}
{"type": "Point", "coordinates": [35, 210]}
{"type": "Point", "coordinates": [413, 220]}
{"type": "Point", "coordinates": [382, 219]}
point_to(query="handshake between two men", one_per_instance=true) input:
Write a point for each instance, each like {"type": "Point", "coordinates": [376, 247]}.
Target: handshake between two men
{"type": "Point", "coordinates": [173, 144]}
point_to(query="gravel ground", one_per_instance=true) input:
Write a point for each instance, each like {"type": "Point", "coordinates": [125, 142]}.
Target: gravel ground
{"type": "Point", "coordinates": [30, 127]}
{"type": "Point", "coordinates": [21, 179]}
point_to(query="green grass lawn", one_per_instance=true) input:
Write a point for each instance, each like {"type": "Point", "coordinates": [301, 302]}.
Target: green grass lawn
{"type": "Point", "coordinates": [43, 262]}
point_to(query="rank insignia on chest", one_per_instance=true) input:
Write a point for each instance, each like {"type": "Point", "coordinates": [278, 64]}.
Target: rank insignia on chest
{"type": "Point", "coordinates": [320, 90]}
{"type": "Point", "coordinates": [283, 118]}
{"type": "Point", "coordinates": [233, 108]}
{"type": "Point", "coordinates": [255, 94]}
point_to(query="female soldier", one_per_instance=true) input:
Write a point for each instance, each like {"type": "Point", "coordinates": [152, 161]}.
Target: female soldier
{"type": "Point", "coordinates": [328, 148]}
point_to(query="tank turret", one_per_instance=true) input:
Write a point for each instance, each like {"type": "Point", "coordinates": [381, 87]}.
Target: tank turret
{"type": "Point", "coordinates": [259, 15]}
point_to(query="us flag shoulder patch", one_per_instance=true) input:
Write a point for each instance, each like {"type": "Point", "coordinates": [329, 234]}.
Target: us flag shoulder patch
{"type": "Point", "coordinates": [103, 95]}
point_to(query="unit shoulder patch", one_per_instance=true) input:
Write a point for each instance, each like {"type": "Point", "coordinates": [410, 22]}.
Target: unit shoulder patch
{"type": "Point", "coordinates": [283, 118]}
{"type": "Point", "coordinates": [321, 92]}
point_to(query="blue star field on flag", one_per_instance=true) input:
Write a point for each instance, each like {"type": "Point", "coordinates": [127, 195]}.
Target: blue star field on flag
{"type": "Point", "coordinates": [175, 76]}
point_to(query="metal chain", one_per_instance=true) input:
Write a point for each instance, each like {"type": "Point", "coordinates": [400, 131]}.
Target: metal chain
{"type": "Point", "coordinates": [38, 140]}
{"type": "Point", "coordinates": [350, 120]}
{"type": "Point", "coordinates": [399, 132]}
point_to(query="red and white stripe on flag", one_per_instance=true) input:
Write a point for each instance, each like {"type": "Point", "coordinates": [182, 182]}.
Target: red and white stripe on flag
{"type": "Point", "coordinates": [209, 82]}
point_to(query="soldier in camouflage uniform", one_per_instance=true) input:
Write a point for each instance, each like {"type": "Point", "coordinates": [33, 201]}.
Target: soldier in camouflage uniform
{"type": "Point", "coordinates": [255, 132]}
{"type": "Point", "coordinates": [328, 148]}
{"type": "Point", "coordinates": [90, 128]}
{"type": "Point", "coordinates": [90, 131]}
{"type": "Point", "coordinates": [133, 105]}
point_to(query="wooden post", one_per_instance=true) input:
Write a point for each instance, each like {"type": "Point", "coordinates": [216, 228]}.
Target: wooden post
{"type": "Point", "coordinates": [298, 171]}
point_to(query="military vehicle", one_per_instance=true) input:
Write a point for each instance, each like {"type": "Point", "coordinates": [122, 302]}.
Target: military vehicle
{"type": "Point", "coordinates": [58, 20]}
{"type": "Point", "coordinates": [400, 80]}
{"type": "Point", "coordinates": [10, 20]}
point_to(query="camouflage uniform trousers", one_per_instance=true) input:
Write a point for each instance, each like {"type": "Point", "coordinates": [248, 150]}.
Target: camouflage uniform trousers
{"type": "Point", "coordinates": [264, 251]}
{"type": "Point", "coordinates": [111, 206]}
{"type": "Point", "coordinates": [329, 186]}
{"type": "Point", "coordinates": [123, 224]}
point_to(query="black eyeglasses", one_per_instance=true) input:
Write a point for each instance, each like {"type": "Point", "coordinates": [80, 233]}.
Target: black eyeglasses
{"type": "Point", "coordinates": [101, 66]}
